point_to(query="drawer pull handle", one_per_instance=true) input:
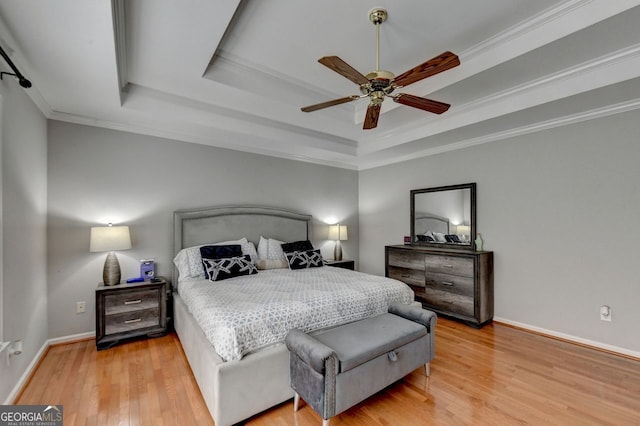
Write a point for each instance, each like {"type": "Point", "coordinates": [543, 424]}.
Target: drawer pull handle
{"type": "Point", "coordinates": [450, 284]}
{"type": "Point", "coordinates": [406, 276]}
{"type": "Point", "coordinates": [133, 320]}
{"type": "Point", "coordinates": [448, 266]}
{"type": "Point", "coordinates": [132, 302]}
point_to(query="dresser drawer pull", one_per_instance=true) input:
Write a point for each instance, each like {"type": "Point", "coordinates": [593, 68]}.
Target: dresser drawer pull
{"type": "Point", "coordinates": [447, 283]}
{"type": "Point", "coordinates": [405, 276]}
{"type": "Point", "coordinates": [132, 302]}
{"type": "Point", "coordinates": [448, 266]}
{"type": "Point", "coordinates": [133, 320]}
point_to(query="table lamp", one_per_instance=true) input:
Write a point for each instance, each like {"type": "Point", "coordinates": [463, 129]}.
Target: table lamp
{"type": "Point", "coordinates": [110, 238]}
{"type": "Point", "coordinates": [338, 233]}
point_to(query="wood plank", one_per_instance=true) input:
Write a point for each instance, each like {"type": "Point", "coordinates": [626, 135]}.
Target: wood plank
{"type": "Point", "coordinates": [495, 375]}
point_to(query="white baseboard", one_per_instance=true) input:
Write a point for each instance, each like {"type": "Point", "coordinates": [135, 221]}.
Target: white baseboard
{"type": "Point", "coordinates": [36, 359]}
{"type": "Point", "coordinates": [570, 338]}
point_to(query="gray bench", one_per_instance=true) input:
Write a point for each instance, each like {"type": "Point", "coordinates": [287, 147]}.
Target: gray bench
{"type": "Point", "coordinates": [336, 369]}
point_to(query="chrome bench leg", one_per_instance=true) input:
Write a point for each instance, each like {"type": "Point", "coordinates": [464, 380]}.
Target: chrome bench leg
{"type": "Point", "coordinates": [427, 370]}
{"type": "Point", "coordinates": [296, 402]}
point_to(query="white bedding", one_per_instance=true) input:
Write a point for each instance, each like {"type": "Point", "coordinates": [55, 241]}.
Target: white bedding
{"type": "Point", "coordinates": [247, 313]}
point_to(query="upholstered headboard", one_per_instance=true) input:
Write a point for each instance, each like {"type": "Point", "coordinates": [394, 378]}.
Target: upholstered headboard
{"type": "Point", "coordinates": [208, 225]}
{"type": "Point", "coordinates": [431, 223]}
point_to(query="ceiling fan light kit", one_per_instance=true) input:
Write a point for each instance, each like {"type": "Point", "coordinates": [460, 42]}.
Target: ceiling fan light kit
{"type": "Point", "coordinates": [379, 84]}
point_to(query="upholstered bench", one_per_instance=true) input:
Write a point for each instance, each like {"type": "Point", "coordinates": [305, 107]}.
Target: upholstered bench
{"type": "Point", "coordinates": [336, 369]}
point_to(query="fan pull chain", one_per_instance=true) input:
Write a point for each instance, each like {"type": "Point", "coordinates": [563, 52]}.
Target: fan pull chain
{"type": "Point", "coordinates": [377, 47]}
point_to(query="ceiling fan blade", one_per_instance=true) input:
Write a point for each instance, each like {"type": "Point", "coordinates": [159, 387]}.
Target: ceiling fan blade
{"type": "Point", "coordinates": [371, 118]}
{"type": "Point", "coordinates": [421, 103]}
{"type": "Point", "coordinates": [344, 69]}
{"type": "Point", "coordinates": [433, 66]}
{"type": "Point", "coordinates": [328, 104]}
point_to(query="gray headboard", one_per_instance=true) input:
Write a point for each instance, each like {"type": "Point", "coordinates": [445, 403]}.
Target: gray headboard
{"type": "Point", "coordinates": [208, 225]}
{"type": "Point", "coordinates": [430, 222]}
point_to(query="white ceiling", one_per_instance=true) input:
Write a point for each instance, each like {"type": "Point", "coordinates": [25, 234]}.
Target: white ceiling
{"type": "Point", "coordinates": [235, 73]}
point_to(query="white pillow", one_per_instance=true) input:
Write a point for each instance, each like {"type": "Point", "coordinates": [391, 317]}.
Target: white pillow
{"type": "Point", "coordinates": [440, 237]}
{"type": "Point", "coordinates": [274, 250]}
{"type": "Point", "coordinates": [193, 260]}
{"type": "Point", "coordinates": [262, 247]}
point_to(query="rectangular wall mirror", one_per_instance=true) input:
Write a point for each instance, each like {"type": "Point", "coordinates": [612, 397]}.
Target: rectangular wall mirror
{"type": "Point", "coordinates": [444, 216]}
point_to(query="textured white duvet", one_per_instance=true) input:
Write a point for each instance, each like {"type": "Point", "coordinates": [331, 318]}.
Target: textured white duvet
{"type": "Point", "coordinates": [243, 314]}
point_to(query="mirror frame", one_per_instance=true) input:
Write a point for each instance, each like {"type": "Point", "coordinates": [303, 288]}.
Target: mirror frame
{"type": "Point", "coordinates": [473, 224]}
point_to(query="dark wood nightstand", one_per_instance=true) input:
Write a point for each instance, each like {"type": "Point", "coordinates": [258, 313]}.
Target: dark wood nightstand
{"type": "Point", "coordinates": [125, 311]}
{"type": "Point", "coordinates": [345, 264]}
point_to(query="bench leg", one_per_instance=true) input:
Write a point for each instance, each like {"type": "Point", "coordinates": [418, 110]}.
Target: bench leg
{"type": "Point", "coordinates": [325, 422]}
{"type": "Point", "coordinates": [296, 402]}
{"type": "Point", "coordinates": [427, 370]}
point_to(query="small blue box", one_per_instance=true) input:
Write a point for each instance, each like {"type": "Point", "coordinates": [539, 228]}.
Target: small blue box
{"type": "Point", "coordinates": [147, 268]}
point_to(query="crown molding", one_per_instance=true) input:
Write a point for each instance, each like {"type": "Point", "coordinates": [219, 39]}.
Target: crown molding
{"type": "Point", "coordinates": [566, 120]}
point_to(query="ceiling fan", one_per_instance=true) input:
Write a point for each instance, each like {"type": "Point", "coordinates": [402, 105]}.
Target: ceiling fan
{"type": "Point", "coordinates": [380, 83]}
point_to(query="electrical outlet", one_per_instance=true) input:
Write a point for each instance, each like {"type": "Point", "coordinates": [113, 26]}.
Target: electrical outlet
{"type": "Point", "coordinates": [605, 313]}
{"type": "Point", "coordinates": [80, 307]}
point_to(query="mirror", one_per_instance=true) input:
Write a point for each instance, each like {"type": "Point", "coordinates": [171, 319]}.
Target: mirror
{"type": "Point", "coordinates": [444, 216]}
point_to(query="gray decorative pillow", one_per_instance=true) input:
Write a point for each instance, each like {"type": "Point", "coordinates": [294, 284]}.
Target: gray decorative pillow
{"type": "Point", "coordinates": [304, 259]}
{"type": "Point", "coordinates": [222, 269]}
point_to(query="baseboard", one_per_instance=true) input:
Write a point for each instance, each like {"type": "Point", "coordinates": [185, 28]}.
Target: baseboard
{"type": "Point", "coordinates": [616, 350]}
{"type": "Point", "coordinates": [31, 368]}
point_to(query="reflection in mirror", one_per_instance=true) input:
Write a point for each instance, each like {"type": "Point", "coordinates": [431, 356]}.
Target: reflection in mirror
{"type": "Point", "coordinates": [444, 216]}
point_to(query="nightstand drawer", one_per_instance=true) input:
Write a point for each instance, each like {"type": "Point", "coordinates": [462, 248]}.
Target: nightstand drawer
{"type": "Point", "coordinates": [127, 301]}
{"type": "Point", "coordinates": [408, 276]}
{"type": "Point", "coordinates": [449, 265]}
{"type": "Point", "coordinates": [128, 321]}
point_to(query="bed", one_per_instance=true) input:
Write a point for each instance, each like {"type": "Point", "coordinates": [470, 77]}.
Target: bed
{"type": "Point", "coordinates": [237, 389]}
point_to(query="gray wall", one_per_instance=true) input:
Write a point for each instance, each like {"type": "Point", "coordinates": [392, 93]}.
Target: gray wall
{"type": "Point", "coordinates": [98, 176]}
{"type": "Point", "coordinates": [558, 208]}
{"type": "Point", "coordinates": [24, 205]}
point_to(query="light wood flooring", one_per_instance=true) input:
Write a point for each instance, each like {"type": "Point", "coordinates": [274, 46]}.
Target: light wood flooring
{"type": "Point", "coordinates": [494, 376]}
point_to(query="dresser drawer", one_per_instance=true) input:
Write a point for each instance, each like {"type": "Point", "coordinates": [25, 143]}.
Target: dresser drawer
{"type": "Point", "coordinates": [451, 265]}
{"type": "Point", "coordinates": [127, 301]}
{"type": "Point", "coordinates": [449, 302]}
{"type": "Point", "coordinates": [128, 321]}
{"type": "Point", "coordinates": [406, 259]}
{"type": "Point", "coordinates": [450, 283]}
{"type": "Point", "coordinates": [410, 276]}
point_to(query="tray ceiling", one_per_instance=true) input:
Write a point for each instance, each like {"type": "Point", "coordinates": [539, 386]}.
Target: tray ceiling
{"type": "Point", "coordinates": [234, 74]}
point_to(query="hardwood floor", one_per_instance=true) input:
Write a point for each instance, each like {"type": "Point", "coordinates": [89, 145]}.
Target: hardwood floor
{"type": "Point", "coordinates": [494, 376]}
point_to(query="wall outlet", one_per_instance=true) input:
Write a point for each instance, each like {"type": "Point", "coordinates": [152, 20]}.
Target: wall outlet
{"type": "Point", "coordinates": [605, 313]}
{"type": "Point", "coordinates": [80, 307]}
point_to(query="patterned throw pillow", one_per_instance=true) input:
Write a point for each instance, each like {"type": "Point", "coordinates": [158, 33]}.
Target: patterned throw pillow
{"type": "Point", "coordinates": [219, 252]}
{"type": "Point", "coordinates": [304, 259]}
{"type": "Point", "coordinates": [221, 269]}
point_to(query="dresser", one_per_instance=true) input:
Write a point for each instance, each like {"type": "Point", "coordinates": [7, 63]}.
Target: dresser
{"type": "Point", "coordinates": [453, 283]}
{"type": "Point", "coordinates": [126, 311]}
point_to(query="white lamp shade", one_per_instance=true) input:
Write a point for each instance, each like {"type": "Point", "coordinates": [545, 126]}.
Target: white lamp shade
{"type": "Point", "coordinates": [338, 232]}
{"type": "Point", "coordinates": [110, 238]}
{"type": "Point", "coordinates": [463, 229]}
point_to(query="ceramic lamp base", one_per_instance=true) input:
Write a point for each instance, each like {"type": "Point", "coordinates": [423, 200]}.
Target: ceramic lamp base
{"type": "Point", "coordinates": [337, 251]}
{"type": "Point", "coordinates": [111, 272]}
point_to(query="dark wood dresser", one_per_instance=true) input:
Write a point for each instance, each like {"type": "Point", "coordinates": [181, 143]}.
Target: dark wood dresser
{"type": "Point", "coordinates": [454, 283]}
{"type": "Point", "coordinates": [127, 311]}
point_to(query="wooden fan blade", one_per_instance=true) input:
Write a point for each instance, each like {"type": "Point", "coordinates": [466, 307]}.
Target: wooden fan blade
{"type": "Point", "coordinates": [371, 118]}
{"type": "Point", "coordinates": [433, 66]}
{"type": "Point", "coordinates": [344, 69]}
{"type": "Point", "coordinates": [421, 103]}
{"type": "Point", "coordinates": [328, 104]}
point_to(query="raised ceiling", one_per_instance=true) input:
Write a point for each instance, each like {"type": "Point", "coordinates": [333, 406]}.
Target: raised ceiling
{"type": "Point", "coordinates": [234, 74]}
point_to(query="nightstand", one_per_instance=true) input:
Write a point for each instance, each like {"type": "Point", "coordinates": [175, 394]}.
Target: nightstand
{"type": "Point", "coordinates": [345, 264]}
{"type": "Point", "coordinates": [125, 311]}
